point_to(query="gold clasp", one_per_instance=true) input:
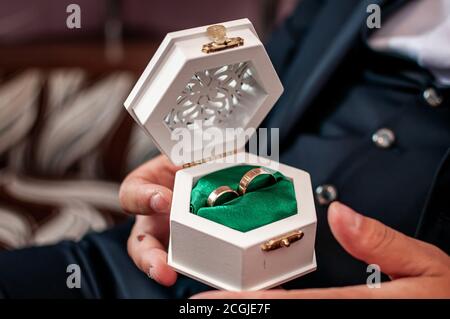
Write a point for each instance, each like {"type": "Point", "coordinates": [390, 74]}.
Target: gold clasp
{"type": "Point", "coordinates": [282, 241]}
{"type": "Point", "coordinates": [218, 35]}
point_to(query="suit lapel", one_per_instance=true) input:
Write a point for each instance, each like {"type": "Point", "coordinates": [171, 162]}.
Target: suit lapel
{"type": "Point", "coordinates": [337, 26]}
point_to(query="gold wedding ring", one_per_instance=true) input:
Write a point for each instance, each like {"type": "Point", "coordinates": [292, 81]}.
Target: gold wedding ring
{"type": "Point", "coordinates": [247, 179]}
{"type": "Point", "coordinates": [221, 195]}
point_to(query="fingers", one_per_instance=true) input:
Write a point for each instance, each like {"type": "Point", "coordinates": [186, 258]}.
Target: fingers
{"type": "Point", "coordinates": [423, 287]}
{"type": "Point", "coordinates": [139, 197]}
{"type": "Point", "coordinates": [149, 254]}
{"type": "Point", "coordinates": [425, 268]}
{"type": "Point", "coordinates": [333, 293]}
{"type": "Point", "coordinates": [159, 171]}
{"type": "Point", "coordinates": [154, 263]}
{"type": "Point", "coordinates": [147, 190]}
{"type": "Point", "coordinates": [221, 294]}
{"type": "Point", "coordinates": [369, 240]}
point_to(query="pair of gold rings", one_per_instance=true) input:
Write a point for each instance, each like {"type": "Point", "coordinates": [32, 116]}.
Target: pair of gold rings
{"type": "Point", "coordinates": [223, 194]}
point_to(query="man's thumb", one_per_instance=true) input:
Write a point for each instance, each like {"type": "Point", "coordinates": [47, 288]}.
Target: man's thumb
{"type": "Point", "coordinates": [368, 240]}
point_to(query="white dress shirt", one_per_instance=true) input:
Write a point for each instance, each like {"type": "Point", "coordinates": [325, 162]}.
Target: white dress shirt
{"type": "Point", "coordinates": [420, 30]}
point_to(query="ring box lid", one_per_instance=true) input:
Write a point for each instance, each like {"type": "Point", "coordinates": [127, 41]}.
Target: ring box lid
{"type": "Point", "coordinates": [185, 90]}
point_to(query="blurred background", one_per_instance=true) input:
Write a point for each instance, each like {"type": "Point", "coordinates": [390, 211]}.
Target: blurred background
{"type": "Point", "coordinates": [66, 141]}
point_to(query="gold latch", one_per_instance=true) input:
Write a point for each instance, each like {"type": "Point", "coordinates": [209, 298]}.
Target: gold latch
{"type": "Point", "coordinates": [282, 241]}
{"type": "Point", "coordinates": [218, 35]}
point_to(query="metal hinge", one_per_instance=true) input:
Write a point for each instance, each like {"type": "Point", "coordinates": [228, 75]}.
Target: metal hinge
{"type": "Point", "coordinates": [209, 159]}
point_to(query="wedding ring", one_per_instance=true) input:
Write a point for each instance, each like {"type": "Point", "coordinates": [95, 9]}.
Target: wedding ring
{"type": "Point", "coordinates": [221, 195]}
{"type": "Point", "coordinates": [248, 177]}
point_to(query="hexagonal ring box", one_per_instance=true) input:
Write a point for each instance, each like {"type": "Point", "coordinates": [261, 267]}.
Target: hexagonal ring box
{"type": "Point", "coordinates": [194, 84]}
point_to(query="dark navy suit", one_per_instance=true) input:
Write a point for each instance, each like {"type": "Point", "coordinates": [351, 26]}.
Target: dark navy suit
{"type": "Point", "coordinates": [338, 93]}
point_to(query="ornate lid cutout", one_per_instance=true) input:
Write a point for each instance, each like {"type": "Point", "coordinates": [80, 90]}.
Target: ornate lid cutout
{"type": "Point", "coordinates": [215, 97]}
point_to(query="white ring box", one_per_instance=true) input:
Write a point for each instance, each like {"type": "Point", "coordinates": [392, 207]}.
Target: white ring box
{"type": "Point", "coordinates": [185, 88]}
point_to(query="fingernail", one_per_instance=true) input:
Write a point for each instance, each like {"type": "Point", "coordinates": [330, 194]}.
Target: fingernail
{"type": "Point", "coordinates": [150, 272]}
{"type": "Point", "coordinates": [158, 203]}
{"type": "Point", "coordinates": [350, 218]}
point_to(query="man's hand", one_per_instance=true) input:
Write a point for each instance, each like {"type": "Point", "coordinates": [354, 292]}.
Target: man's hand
{"type": "Point", "coordinates": [417, 269]}
{"type": "Point", "coordinates": [147, 193]}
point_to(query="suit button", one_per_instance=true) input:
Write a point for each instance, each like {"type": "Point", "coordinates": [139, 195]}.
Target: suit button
{"type": "Point", "coordinates": [432, 97]}
{"type": "Point", "coordinates": [383, 138]}
{"type": "Point", "coordinates": [326, 194]}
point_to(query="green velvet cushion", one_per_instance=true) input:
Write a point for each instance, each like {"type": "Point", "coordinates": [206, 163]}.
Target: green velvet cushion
{"type": "Point", "coordinates": [264, 203]}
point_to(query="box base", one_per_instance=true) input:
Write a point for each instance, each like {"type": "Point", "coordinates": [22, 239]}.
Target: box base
{"type": "Point", "coordinates": [223, 286]}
